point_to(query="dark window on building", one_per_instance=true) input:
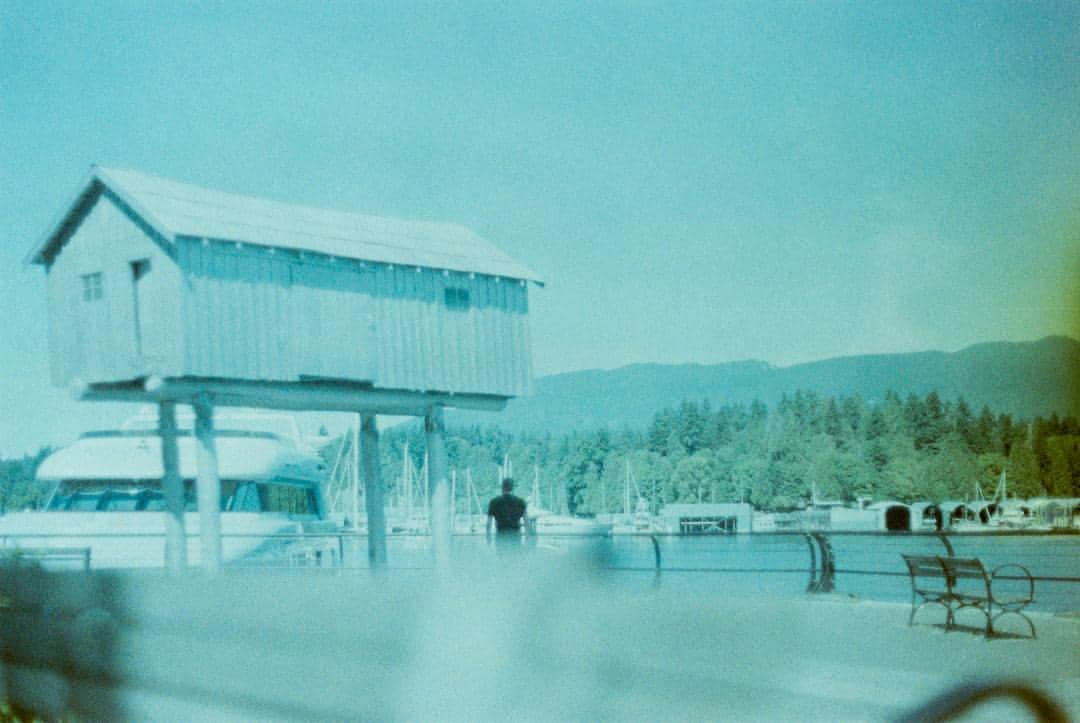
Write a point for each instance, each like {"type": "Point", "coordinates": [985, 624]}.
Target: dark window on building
{"type": "Point", "coordinates": [708, 525]}
{"type": "Point", "coordinates": [139, 270]}
{"type": "Point", "coordinates": [457, 299]}
{"type": "Point", "coordinates": [92, 289]}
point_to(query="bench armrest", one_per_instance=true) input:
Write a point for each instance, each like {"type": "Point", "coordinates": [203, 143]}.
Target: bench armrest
{"type": "Point", "coordinates": [1021, 568]}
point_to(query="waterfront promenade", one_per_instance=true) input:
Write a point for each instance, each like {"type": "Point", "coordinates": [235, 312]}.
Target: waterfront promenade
{"type": "Point", "coordinates": [554, 637]}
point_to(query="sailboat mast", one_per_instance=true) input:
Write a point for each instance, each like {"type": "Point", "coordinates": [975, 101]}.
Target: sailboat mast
{"type": "Point", "coordinates": [355, 476]}
{"type": "Point", "coordinates": [406, 473]}
{"type": "Point", "coordinates": [453, 493]}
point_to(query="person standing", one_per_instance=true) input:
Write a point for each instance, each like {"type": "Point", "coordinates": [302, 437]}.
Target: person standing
{"type": "Point", "coordinates": [507, 514]}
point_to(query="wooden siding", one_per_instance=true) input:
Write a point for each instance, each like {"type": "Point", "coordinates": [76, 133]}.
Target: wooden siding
{"type": "Point", "coordinates": [250, 313]}
{"type": "Point", "coordinates": [423, 344]}
{"type": "Point", "coordinates": [104, 339]}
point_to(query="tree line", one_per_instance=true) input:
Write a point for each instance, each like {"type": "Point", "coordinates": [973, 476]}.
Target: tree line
{"type": "Point", "coordinates": [844, 448]}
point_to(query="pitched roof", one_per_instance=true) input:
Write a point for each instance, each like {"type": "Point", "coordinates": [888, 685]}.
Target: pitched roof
{"type": "Point", "coordinates": [179, 209]}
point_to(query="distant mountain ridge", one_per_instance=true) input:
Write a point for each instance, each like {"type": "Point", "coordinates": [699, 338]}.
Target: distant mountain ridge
{"type": "Point", "coordinates": [1024, 379]}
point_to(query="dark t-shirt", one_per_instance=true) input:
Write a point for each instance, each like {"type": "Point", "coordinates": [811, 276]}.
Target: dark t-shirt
{"type": "Point", "coordinates": [507, 509]}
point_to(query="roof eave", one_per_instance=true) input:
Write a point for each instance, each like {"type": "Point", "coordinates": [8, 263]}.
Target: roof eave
{"type": "Point", "coordinates": [86, 188]}
{"type": "Point", "coordinates": [95, 184]}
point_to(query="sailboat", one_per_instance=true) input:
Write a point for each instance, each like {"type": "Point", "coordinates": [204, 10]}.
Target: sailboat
{"type": "Point", "coordinates": [545, 522]}
{"type": "Point", "coordinates": [997, 511]}
{"type": "Point", "coordinates": [407, 512]}
{"type": "Point", "coordinates": [1015, 513]}
{"type": "Point", "coordinates": [640, 518]}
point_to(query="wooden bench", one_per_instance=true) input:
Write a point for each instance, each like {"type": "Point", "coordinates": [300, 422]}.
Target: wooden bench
{"type": "Point", "coordinates": [957, 583]}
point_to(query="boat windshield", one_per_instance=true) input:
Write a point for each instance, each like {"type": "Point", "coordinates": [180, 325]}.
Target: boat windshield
{"type": "Point", "coordinates": [137, 496]}
{"type": "Point", "coordinates": [109, 496]}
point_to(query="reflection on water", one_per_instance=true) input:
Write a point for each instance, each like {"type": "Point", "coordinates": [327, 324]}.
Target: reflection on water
{"type": "Point", "coordinates": [867, 566]}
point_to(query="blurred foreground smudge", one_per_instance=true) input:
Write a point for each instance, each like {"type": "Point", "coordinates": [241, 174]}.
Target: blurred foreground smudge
{"type": "Point", "coordinates": [516, 636]}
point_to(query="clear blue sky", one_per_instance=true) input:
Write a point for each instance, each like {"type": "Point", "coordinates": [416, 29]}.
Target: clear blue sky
{"type": "Point", "coordinates": [696, 182]}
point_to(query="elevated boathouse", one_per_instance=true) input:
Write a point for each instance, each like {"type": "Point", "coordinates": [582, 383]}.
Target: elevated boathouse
{"type": "Point", "coordinates": [165, 292]}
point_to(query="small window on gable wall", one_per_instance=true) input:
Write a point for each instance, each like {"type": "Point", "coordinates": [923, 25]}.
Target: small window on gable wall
{"type": "Point", "coordinates": [457, 299]}
{"type": "Point", "coordinates": [91, 287]}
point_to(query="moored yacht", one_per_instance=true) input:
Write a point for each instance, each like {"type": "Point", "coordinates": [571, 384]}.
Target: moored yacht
{"type": "Point", "coordinates": [107, 500]}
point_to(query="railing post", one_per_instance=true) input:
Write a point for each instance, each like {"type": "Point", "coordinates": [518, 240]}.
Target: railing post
{"type": "Point", "coordinates": [948, 545]}
{"type": "Point", "coordinates": [656, 556]}
{"type": "Point", "coordinates": [823, 580]}
{"type": "Point", "coordinates": [828, 564]}
{"type": "Point", "coordinates": [812, 585]}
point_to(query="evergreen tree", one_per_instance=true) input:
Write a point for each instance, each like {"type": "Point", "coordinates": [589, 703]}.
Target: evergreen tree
{"type": "Point", "coordinates": [1064, 468]}
{"type": "Point", "coordinates": [963, 423]}
{"type": "Point", "coordinates": [983, 438]}
{"type": "Point", "coordinates": [833, 424]}
{"type": "Point", "coordinates": [1006, 433]}
{"type": "Point", "coordinates": [690, 426]}
{"type": "Point", "coordinates": [913, 416]}
{"type": "Point", "coordinates": [1023, 470]}
{"type": "Point", "coordinates": [758, 411]}
{"type": "Point", "coordinates": [724, 427]}
{"type": "Point", "coordinates": [853, 414]}
{"type": "Point", "coordinates": [660, 431]}
{"type": "Point", "coordinates": [1040, 430]}
{"type": "Point", "coordinates": [929, 425]}
{"type": "Point", "coordinates": [876, 427]}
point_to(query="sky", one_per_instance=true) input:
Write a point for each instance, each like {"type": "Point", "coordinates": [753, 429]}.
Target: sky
{"type": "Point", "coordinates": [695, 182]}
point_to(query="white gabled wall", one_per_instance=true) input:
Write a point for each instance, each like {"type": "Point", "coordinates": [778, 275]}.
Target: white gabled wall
{"type": "Point", "coordinates": [253, 314]}
{"type": "Point", "coordinates": [96, 340]}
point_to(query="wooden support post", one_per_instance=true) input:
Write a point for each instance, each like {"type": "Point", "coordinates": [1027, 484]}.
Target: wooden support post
{"type": "Point", "coordinates": [209, 486]}
{"type": "Point", "coordinates": [173, 487]}
{"type": "Point", "coordinates": [439, 492]}
{"type": "Point", "coordinates": [373, 490]}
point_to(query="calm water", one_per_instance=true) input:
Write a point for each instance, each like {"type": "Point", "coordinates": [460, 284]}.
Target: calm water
{"type": "Point", "coordinates": [874, 568]}
{"type": "Point", "coordinates": [867, 566]}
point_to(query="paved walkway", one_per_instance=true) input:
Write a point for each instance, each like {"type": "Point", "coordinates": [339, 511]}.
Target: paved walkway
{"type": "Point", "coordinates": [517, 640]}
{"type": "Point", "coordinates": [661, 656]}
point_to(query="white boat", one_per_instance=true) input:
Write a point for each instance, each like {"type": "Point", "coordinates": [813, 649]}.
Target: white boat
{"type": "Point", "coordinates": [107, 497]}
{"type": "Point", "coordinates": [541, 521]}
{"type": "Point", "coordinates": [545, 522]}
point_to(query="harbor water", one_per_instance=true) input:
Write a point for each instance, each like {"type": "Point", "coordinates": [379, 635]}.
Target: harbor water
{"type": "Point", "coordinates": [867, 566]}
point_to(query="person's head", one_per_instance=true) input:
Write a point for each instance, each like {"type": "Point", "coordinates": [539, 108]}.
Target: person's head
{"type": "Point", "coordinates": [507, 485]}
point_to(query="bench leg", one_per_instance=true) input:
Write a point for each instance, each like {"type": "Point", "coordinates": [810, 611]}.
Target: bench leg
{"type": "Point", "coordinates": [1031, 625]}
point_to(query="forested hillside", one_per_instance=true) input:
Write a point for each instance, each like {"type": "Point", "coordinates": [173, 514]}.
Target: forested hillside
{"type": "Point", "coordinates": [1025, 380]}
{"type": "Point", "coordinates": [753, 432]}
{"type": "Point", "coordinates": [899, 448]}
